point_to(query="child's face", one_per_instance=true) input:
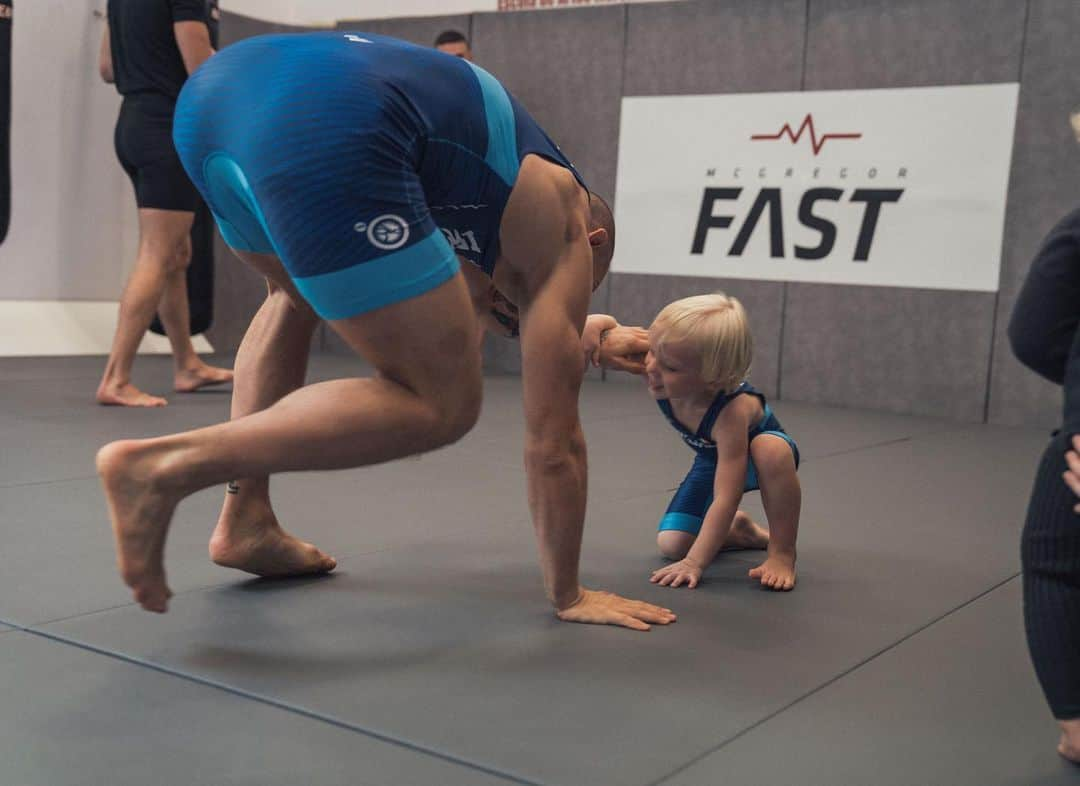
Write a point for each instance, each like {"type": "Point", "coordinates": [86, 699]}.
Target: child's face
{"type": "Point", "coordinates": [674, 372]}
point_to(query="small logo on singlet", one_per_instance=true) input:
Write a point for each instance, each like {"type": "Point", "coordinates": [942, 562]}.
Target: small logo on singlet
{"type": "Point", "coordinates": [386, 232]}
{"type": "Point", "coordinates": [356, 39]}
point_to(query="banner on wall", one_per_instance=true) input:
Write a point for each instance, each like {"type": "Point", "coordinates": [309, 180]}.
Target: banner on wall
{"type": "Point", "coordinates": [898, 187]}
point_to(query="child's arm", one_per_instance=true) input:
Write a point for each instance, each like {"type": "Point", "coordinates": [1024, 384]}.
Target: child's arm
{"type": "Point", "coordinates": [730, 435]}
{"type": "Point", "coordinates": [611, 345]}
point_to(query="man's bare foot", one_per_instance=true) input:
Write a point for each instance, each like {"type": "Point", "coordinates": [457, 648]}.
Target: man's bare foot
{"type": "Point", "coordinates": [777, 572]}
{"type": "Point", "coordinates": [192, 378]}
{"type": "Point", "coordinates": [140, 511]}
{"type": "Point", "coordinates": [1069, 745]}
{"type": "Point", "coordinates": [260, 546]}
{"type": "Point", "coordinates": [745, 534]}
{"type": "Point", "coordinates": [126, 395]}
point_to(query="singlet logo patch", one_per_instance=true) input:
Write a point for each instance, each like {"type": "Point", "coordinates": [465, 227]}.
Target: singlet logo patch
{"type": "Point", "coordinates": [387, 231]}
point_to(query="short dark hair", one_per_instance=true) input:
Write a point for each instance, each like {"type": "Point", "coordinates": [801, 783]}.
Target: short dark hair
{"type": "Point", "coordinates": [450, 37]}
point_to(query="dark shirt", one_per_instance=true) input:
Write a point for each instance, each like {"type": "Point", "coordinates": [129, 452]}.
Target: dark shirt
{"type": "Point", "coordinates": [1043, 329]}
{"type": "Point", "coordinates": [145, 56]}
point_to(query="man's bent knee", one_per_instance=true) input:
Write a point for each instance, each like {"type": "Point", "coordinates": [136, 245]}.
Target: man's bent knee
{"type": "Point", "coordinates": [459, 411]}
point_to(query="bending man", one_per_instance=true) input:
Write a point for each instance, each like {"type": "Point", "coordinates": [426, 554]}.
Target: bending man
{"type": "Point", "coordinates": [352, 170]}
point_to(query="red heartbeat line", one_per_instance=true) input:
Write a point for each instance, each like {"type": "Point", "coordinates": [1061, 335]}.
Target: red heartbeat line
{"type": "Point", "coordinates": [795, 136]}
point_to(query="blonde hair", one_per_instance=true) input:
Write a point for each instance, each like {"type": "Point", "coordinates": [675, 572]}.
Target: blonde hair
{"type": "Point", "coordinates": [716, 328]}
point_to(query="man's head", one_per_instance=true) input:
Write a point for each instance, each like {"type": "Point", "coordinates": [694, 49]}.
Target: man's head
{"type": "Point", "coordinates": [601, 237]}
{"type": "Point", "coordinates": [454, 43]}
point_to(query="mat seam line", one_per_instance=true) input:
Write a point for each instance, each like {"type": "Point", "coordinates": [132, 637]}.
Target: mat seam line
{"type": "Point", "coordinates": [45, 482]}
{"type": "Point", "coordinates": [872, 657]}
{"type": "Point", "coordinates": [279, 704]}
{"type": "Point", "coordinates": [206, 588]}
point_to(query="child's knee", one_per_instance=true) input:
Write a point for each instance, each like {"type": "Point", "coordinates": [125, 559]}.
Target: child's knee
{"type": "Point", "coordinates": [673, 543]}
{"type": "Point", "coordinates": [772, 456]}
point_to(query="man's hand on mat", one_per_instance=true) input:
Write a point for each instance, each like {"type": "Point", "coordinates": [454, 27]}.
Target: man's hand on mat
{"type": "Point", "coordinates": [607, 608]}
{"type": "Point", "coordinates": [1072, 474]}
{"type": "Point", "coordinates": [622, 348]}
{"type": "Point", "coordinates": [676, 574]}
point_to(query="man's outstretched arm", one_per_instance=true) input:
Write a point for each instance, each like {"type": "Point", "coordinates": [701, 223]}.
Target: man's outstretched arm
{"type": "Point", "coordinates": [551, 279]}
{"type": "Point", "coordinates": [555, 457]}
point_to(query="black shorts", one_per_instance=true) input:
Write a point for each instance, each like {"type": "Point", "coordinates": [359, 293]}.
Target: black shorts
{"type": "Point", "coordinates": [144, 145]}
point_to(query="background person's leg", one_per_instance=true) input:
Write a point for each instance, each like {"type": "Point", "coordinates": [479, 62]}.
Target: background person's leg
{"type": "Point", "coordinates": [160, 232]}
{"type": "Point", "coordinates": [190, 372]}
{"type": "Point", "coordinates": [426, 395]}
{"type": "Point", "coordinates": [1050, 556]}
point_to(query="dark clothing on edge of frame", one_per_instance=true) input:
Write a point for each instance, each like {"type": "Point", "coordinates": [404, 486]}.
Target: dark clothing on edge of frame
{"type": "Point", "coordinates": [1043, 329]}
{"type": "Point", "coordinates": [1044, 336]}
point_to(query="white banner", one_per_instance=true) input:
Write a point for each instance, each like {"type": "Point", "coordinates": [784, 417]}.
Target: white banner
{"type": "Point", "coordinates": [898, 187]}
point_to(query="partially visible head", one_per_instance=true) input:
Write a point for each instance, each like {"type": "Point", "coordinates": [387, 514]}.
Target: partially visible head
{"type": "Point", "coordinates": [454, 43]}
{"type": "Point", "coordinates": [699, 344]}
{"type": "Point", "coordinates": [1074, 121]}
{"type": "Point", "coordinates": [601, 237]}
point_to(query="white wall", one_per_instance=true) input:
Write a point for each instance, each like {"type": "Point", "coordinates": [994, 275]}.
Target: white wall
{"type": "Point", "coordinates": [327, 12]}
{"type": "Point", "coordinates": [73, 224]}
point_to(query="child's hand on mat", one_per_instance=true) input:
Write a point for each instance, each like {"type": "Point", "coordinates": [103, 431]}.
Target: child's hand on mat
{"type": "Point", "coordinates": [606, 608]}
{"type": "Point", "coordinates": [676, 574]}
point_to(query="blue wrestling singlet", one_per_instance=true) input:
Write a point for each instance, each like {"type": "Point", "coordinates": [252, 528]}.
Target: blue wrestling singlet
{"type": "Point", "coordinates": [366, 164]}
{"type": "Point", "coordinates": [695, 494]}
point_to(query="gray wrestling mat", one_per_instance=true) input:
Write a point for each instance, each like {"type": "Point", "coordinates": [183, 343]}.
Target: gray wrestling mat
{"type": "Point", "coordinates": [430, 656]}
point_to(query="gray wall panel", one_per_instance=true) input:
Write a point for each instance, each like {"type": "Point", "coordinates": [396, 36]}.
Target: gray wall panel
{"type": "Point", "coordinates": [420, 30]}
{"type": "Point", "coordinates": [903, 43]}
{"type": "Point", "coordinates": [903, 350]}
{"type": "Point", "coordinates": [236, 27]}
{"type": "Point", "coordinates": [640, 298]}
{"type": "Point", "coordinates": [1045, 185]}
{"type": "Point", "coordinates": [738, 46]}
{"type": "Point", "coordinates": [565, 66]}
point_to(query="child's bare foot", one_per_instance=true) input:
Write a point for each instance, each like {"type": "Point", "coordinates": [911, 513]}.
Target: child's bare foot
{"type": "Point", "coordinates": [126, 395]}
{"type": "Point", "coordinates": [777, 572]}
{"type": "Point", "coordinates": [257, 544]}
{"type": "Point", "coordinates": [1069, 745]}
{"type": "Point", "coordinates": [745, 534]}
{"type": "Point", "coordinates": [140, 510]}
{"type": "Point", "coordinates": [198, 376]}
